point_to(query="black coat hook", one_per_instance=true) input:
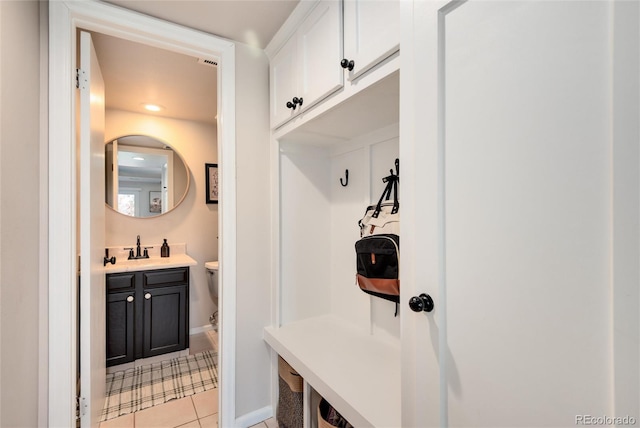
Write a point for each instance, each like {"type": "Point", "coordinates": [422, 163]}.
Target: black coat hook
{"type": "Point", "coordinates": [346, 178]}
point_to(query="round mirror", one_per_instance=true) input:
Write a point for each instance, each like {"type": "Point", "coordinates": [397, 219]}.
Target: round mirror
{"type": "Point", "coordinates": [145, 177]}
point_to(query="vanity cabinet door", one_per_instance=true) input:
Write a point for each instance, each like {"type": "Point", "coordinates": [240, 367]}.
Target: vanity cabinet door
{"type": "Point", "coordinates": [165, 313]}
{"type": "Point", "coordinates": [120, 327]}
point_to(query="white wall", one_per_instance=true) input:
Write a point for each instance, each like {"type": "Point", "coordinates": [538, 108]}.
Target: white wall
{"type": "Point", "coordinates": [19, 212]}
{"type": "Point", "coordinates": [193, 222]}
{"type": "Point", "coordinates": [253, 366]}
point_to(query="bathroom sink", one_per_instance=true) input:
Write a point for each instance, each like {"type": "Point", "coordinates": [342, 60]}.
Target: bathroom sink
{"type": "Point", "coordinates": [124, 265]}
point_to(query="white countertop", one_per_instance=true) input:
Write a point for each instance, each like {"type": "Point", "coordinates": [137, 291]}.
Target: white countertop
{"type": "Point", "coordinates": [178, 258]}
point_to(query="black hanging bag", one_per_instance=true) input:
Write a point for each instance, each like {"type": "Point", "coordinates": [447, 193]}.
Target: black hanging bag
{"type": "Point", "coordinates": [378, 266]}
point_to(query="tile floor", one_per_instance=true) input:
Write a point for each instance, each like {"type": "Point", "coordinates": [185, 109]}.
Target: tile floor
{"type": "Point", "coordinates": [195, 411]}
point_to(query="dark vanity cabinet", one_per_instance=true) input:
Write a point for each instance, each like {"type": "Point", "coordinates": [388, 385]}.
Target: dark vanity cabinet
{"type": "Point", "coordinates": [147, 314]}
{"type": "Point", "coordinates": [165, 311]}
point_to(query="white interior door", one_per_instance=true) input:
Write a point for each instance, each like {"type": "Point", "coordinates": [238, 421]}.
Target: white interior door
{"type": "Point", "coordinates": [514, 212]}
{"type": "Point", "coordinates": [92, 234]}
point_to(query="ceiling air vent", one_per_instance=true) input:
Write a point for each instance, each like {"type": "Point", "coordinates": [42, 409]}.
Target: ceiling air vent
{"type": "Point", "coordinates": [209, 62]}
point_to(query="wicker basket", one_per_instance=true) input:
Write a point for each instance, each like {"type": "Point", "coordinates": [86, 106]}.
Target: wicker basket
{"type": "Point", "coordinates": [286, 372]}
{"type": "Point", "coordinates": [321, 422]}
{"type": "Point", "coordinates": [323, 409]}
{"type": "Point", "coordinates": [289, 412]}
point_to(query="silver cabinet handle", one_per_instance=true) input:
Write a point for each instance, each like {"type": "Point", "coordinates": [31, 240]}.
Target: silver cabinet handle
{"type": "Point", "coordinates": [147, 296]}
{"type": "Point", "coordinates": [130, 299]}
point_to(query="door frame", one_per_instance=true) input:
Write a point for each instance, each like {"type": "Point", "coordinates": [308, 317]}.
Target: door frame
{"type": "Point", "coordinates": [64, 18]}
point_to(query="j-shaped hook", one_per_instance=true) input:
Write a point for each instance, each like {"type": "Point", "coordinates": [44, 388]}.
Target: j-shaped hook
{"type": "Point", "coordinates": [346, 178]}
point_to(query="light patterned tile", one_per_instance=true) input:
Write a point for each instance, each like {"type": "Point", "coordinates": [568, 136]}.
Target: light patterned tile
{"type": "Point", "coordinates": [192, 424]}
{"type": "Point", "coordinates": [168, 415]}
{"type": "Point", "coordinates": [260, 425]}
{"type": "Point", "coordinates": [206, 403]}
{"type": "Point", "coordinates": [271, 423]}
{"type": "Point", "coordinates": [209, 421]}
{"type": "Point", "coordinates": [125, 421]}
{"type": "Point", "coordinates": [199, 342]}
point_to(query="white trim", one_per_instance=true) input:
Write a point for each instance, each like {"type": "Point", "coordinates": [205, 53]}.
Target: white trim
{"type": "Point", "coordinates": [62, 220]}
{"type": "Point", "coordinates": [1, 218]}
{"type": "Point", "coordinates": [43, 266]}
{"type": "Point", "coordinates": [255, 417]}
{"type": "Point", "coordinates": [227, 232]}
{"type": "Point", "coordinates": [64, 18]}
{"type": "Point", "coordinates": [276, 316]}
{"type": "Point", "coordinates": [201, 329]}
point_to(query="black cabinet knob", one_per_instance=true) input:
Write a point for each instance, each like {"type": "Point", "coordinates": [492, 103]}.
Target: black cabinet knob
{"type": "Point", "coordinates": [345, 63]}
{"type": "Point", "coordinates": [421, 303]}
{"type": "Point", "coordinates": [291, 105]}
{"type": "Point", "coordinates": [297, 100]}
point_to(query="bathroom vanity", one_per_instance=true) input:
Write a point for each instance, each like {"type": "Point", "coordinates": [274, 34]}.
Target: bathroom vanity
{"type": "Point", "coordinates": [147, 311]}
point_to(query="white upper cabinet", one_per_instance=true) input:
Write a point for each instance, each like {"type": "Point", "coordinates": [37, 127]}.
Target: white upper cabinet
{"type": "Point", "coordinates": [324, 42]}
{"type": "Point", "coordinates": [307, 67]}
{"type": "Point", "coordinates": [371, 33]}
{"type": "Point", "coordinates": [283, 83]}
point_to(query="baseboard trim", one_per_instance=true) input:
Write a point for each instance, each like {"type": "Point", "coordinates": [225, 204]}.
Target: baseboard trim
{"type": "Point", "coordinates": [255, 417]}
{"type": "Point", "coordinates": [202, 329]}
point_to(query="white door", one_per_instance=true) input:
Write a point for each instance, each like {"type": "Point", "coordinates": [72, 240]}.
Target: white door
{"type": "Point", "coordinates": [92, 233]}
{"type": "Point", "coordinates": [283, 83]}
{"type": "Point", "coordinates": [511, 220]}
{"type": "Point", "coordinates": [371, 32]}
{"type": "Point", "coordinates": [320, 53]}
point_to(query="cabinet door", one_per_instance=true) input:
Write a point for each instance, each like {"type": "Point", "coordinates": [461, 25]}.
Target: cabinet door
{"type": "Point", "coordinates": [319, 53]}
{"type": "Point", "coordinates": [283, 83]}
{"type": "Point", "coordinates": [120, 327]}
{"type": "Point", "coordinates": [371, 32]}
{"type": "Point", "coordinates": [165, 320]}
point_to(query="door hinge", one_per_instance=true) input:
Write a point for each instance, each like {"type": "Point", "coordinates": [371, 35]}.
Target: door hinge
{"type": "Point", "coordinates": [81, 407]}
{"type": "Point", "coordinates": [81, 78]}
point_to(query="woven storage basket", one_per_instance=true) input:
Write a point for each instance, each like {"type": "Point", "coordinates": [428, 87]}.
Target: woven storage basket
{"type": "Point", "coordinates": [323, 410]}
{"type": "Point", "coordinates": [321, 422]}
{"type": "Point", "coordinates": [290, 402]}
{"type": "Point", "coordinates": [286, 372]}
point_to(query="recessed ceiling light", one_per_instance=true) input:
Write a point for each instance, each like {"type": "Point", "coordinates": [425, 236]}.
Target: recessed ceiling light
{"type": "Point", "coordinates": [152, 107]}
{"type": "Point", "coordinates": [138, 158]}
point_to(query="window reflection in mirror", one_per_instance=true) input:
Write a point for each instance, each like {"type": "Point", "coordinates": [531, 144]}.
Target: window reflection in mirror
{"type": "Point", "coordinates": [145, 177]}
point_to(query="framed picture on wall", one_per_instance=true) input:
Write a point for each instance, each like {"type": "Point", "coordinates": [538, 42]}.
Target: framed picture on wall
{"type": "Point", "coordinates": [211, 177]}
{"type": "Point", "coordinates": [155, 201]}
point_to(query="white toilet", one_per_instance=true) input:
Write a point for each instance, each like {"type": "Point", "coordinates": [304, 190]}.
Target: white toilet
{"type": "Point", "coordinates": [212, 275]}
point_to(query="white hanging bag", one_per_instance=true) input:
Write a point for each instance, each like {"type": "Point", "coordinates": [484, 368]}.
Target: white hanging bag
{"type": "Point", "coordinates": [384, 217]}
